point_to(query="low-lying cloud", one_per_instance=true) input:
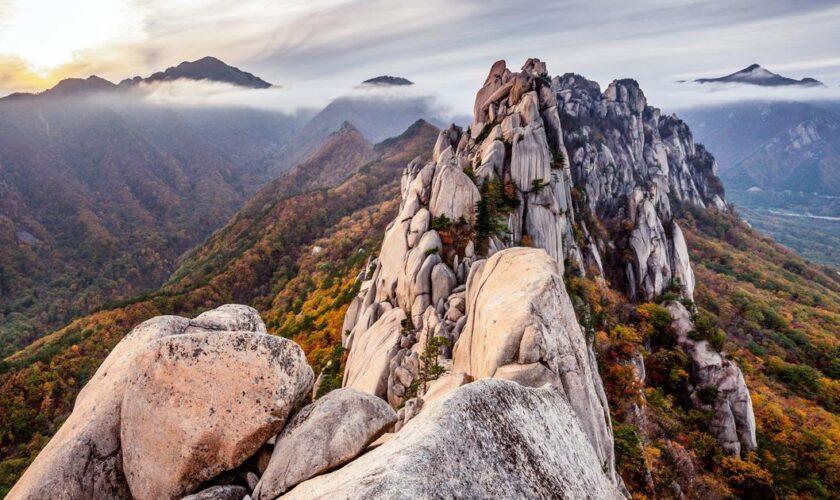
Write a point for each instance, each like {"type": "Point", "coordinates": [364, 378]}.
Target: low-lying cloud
{"type": "Point", "coordinates": [687, 95]}
{"type": "Point", "coordinates": [302, 97]}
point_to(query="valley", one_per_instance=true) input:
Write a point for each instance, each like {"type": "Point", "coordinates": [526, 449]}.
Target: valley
{"type": "Point", "coordinates": [102, 190]}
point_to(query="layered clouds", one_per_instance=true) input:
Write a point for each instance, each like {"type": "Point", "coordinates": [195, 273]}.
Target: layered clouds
{"type": "Point", "coordinates": [312, 47]}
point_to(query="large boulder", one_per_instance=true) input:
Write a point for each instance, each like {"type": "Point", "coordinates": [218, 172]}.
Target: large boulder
{"type": "Point", "coordinates": [199, 404]}
{"type": "Point", "coordinates": [327, 433]}
{"type": "Point", "coordinates": [229, 317]}
{"type": "Point", "coordinates": [84, 459]}
{"type": "Point", "coordinates": [371, 353]}
{"type": "Point", "coordinates": [488, 439]}
{"type": "Point", "coordinates": [518, 313]}
{"type": "Point", "coordinates": [733, 423]}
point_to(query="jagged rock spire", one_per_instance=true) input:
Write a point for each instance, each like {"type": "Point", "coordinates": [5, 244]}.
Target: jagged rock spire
{"type": "Point", "coordinates": [585, 177]}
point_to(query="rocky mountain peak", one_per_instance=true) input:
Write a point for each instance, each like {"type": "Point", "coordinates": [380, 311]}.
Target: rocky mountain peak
{"type": "Point", "coordinates": [587, 180]}
{"type": "Point", "coordinates": [348, 128]}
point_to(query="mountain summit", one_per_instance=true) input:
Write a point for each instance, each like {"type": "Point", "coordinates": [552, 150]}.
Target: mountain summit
{"type": "Point", "coordinates": [206, 68]}
{"type": "Point", "coordinates": [387, 80]}
{"type": "Point", "coordinates": [755, 74]}
{"type": "Point", "coordinates": [70, 86]}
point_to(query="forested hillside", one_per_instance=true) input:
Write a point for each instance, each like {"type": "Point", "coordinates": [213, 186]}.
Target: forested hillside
{"type": "Point", "coordinates": [101, 191]}
{"type": "Point", "coordinates": [293, 258]}
{"type": "Point", "coordinates": [778, 316]}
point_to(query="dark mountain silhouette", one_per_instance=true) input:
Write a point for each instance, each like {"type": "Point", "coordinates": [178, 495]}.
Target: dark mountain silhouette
{"type": "Point", "coordinates": [388, 80]}
{"type": "Point", "coordinates": [755, 74]}
{"type": "Point", "coordinates": [206, 68]}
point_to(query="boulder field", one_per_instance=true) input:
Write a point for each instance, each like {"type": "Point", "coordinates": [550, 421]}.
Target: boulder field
{"type": "Point", "coordinates": [189, 409]}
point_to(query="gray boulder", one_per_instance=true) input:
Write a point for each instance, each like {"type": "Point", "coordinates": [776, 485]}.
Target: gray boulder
{"type": "Point", "coordinates": [369, 360]}
{"type": "Point", "coordinates": [327, 433]}
{"type": "Point", "coordinates": [227, 492]}
{"type": "Point", "coordinates": [518, 313]}
{"type": "Point", "coordinates": [229, 317]}
{"type": "Point", "coordinates": [488, 439]}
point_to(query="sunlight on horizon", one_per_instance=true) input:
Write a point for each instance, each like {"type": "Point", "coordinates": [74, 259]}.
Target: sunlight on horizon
{"type": "Point", "coordinates": [46, 34]}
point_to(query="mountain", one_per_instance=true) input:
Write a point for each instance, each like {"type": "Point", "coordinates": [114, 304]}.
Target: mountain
{"type": "Point", "coordinates": [342, 154]}
{"type": "Point", "coordinates": [554, 301]}
{"type": "Point", "coordinates": [388, 81]}
{"type": "Point", "coordinates": [104, 189]}
{"type": "Point", "coordinates": [780, 162]}
{"type": "Point", "coordinates": [772, 145]}
{"type": "Point", "coordinates": [754, 74]}
{"type": "Point", "coordinates": [206, 68]}
{"type": "Point", "coordinates": [380, 108]}
{"type": "Point", "coordinates": [805, 157]}
{"type": "Point", "coordinates": [71, 86]}
{"type": "Point", "coordinates": [101, 191]}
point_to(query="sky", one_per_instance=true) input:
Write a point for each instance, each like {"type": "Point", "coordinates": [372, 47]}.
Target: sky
{"type": "Point", "coordinates": [317, 49]}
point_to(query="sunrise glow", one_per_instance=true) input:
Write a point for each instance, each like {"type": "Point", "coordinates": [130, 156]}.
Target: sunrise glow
{"type": "Point", "coordinates": [46, 34]}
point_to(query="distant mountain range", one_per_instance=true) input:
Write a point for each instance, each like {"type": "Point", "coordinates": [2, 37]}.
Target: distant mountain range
{"type": "Point", "coordinates": [204, 69]}
{"type": "Point", "coordinates": [754, 74]}
{"type": "Point", "coordinates": [102, 190]}
{"type": "Point", "coordinates": [780, 164]}
{"type": "Point", "coordinates": [772, 145]}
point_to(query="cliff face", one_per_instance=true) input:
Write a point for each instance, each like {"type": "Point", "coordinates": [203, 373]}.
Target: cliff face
{"type": "Point", "coordinates": [586, 178]}
{"type": "Point", "coordinates": [605, 159]}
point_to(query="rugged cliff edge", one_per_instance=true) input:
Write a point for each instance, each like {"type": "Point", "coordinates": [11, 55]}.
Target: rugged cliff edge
{"type": "Point", "coordinates": [552, 179]}
{"type": "Point", "coordinates": [587, 177]}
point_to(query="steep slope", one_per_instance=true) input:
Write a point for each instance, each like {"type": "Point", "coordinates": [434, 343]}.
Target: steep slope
{"type": "Point", "coordinates": [805, 157]}
{"type": "Point", "coordinates": [101, 191]}
{"type": "Point", "coordinates": [754, 74]}
{"type": "Point", "coordinates": [735, 131]}
{"type": "Point", "coordinates": [782, 319]}
{"type": "Point", "coordinates": [775, 146]}
{"type": "Point", "coordinates": [263, 256]}
{"type": "Point", "coordinates": [381, 107]}
{"type": "Point", "coordinates": [780, 163]}
{"type": "Point", "coordinates": [341, 155]}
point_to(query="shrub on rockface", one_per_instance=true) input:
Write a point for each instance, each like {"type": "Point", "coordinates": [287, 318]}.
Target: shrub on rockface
{"type": "Point", "coordinates": [497, 200]}
{"type": "Point", "coordinates": [706, 328]}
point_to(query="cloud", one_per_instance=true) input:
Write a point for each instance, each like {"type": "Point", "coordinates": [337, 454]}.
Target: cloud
{"type": "Point", "coordinates": [192, 93]}
{"type": "Point", "coordinates": [682, 96]}
{"type": "Point", "coordinates": [299, 98]}
{"type": "Point", "coordinates": [332, 45]}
